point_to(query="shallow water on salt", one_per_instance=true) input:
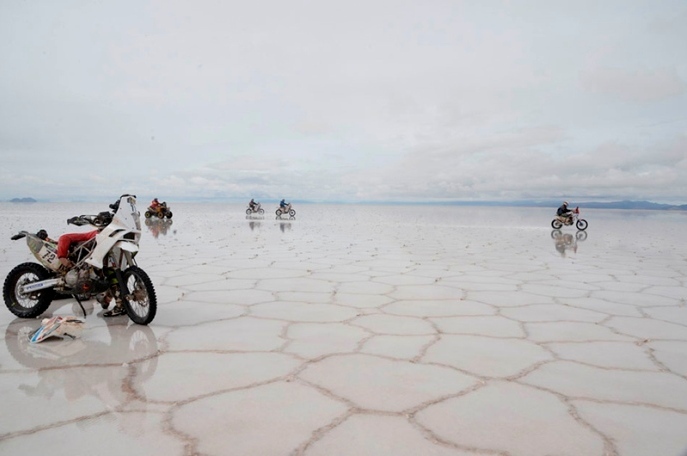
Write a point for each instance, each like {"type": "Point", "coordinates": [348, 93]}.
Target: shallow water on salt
{"type": "Point", "coordinates": [361, 329]}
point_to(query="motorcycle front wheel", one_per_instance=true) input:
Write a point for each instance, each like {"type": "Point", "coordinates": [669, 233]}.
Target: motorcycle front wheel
{"type": "Point", "coordinates": [261, 211]}
{"type": "Point", "coordinates": [556, 224]}
{"type": "Point", "coordinates": [292, 213]}
{"type": "Point", "coordinates": [27, 305]}
{"type": "Point", "coordinates": [140, 301]}
{"type": "Point", "coordinates": [582, 224]}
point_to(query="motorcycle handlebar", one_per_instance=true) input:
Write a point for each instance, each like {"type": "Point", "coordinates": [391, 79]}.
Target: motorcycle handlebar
{"type": "Point", "coordinates": [80, 220]}
{"type": "Point", "coordinates": [100, 220]}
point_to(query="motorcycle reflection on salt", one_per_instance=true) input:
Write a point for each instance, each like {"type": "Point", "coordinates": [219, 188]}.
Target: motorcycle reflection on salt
{"type": "Point", "coordinates": [567, 242]}
{"type": "Point", "coordinates": [74, 367]}
{"type": "Point", "coordinates": [158, 227]}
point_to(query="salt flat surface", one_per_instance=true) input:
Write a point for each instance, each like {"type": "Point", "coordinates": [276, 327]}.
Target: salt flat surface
{"type": "Point", "coordinates": [365, 330]}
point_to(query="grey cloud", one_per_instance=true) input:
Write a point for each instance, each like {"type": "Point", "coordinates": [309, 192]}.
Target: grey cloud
{"type": "Point", "coordinates": [639, 85]}
{"type": "Point", "coordinates": [341, 100]}
{"type": "Point", "coordinates": [506, 172]}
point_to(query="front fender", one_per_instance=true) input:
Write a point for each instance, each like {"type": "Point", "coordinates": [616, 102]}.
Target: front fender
{"type": "Point", "coordinates": [127, 246]}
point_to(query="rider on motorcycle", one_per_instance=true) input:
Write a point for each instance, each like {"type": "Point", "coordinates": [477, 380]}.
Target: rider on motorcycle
{"type": "Point", "coordinates": [283, 203]}
{"type": "Point", "coordinates": [155, 204]}
{"type": "Point", "coordinates": [563, 211]}
{"type": "Point", "coordinates": [64, 242]}
{"type": "Point", "coordinates": [253, 205]}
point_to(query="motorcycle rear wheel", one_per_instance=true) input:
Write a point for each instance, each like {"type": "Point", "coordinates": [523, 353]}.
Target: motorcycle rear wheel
{"type": "Point", "coordinates": [140, 300]}
{"type": "Point", "coordinates": [28, 305]}
{"type": "Point", "coordinates": [248, 212]}
{"type": "Point", "coordinates": [556, 224]}
{"type": "Point", "coordinates": [278, 212]}
{"type": "Point", "coordinates": [582, 224]}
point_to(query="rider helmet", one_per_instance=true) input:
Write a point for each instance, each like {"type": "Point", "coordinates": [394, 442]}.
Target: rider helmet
{"type": "Point", "coordinates": [565, 203]}
{"type": "Point", "coordinates": [42, 234]}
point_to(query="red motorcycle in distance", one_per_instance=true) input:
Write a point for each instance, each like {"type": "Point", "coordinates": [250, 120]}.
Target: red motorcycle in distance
{"type": "Point", "coordinates": [574, 219]}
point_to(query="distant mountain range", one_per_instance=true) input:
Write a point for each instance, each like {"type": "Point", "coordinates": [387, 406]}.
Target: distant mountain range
{"type": "Point", "coordinates": [23, 200]}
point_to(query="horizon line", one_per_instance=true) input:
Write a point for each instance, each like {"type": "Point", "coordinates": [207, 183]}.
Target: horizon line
{"type": "Point", "coordinates": [625, 203]}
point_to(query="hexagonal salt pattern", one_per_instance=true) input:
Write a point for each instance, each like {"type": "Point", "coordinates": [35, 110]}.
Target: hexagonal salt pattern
{"type": "Point", "coordinates": [399, 330]}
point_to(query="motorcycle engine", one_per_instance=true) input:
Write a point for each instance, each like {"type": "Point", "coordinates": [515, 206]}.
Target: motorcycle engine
{"type": "Point", "coordinates": [81, 283]}
{"type": "Point", "coordinates": [75, 276]}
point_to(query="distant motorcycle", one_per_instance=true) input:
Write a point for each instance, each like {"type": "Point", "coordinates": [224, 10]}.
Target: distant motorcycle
{"type": "Point", "coordinates": [162, 211]}
{"type": "Point", "coordinates": [256, 209]}
{"type": "Point", "coordinates": [573, 219]}
{"type": "Point", "coordinates": [104, 265]}
{"type": "Point", "coordinates": [286, 210]}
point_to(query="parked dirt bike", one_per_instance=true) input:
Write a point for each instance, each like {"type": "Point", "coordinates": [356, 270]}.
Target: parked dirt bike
{"type": "Point", "coordinates": [285, 210]}
{"type": "Point", "coordinates": [573, 219]}
{"type": "Point", "coordinates": [104, 267]}
{"type": "Point", "coordinates": [160, 212]}
{"type": "Point", "coordinates": [257, 209]}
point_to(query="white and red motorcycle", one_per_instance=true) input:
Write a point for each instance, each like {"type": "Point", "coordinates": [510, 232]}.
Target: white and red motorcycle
{"type": "Point", "coordinates": [104, 267]}
{"type": "Point", "coordinates": [572, 219]}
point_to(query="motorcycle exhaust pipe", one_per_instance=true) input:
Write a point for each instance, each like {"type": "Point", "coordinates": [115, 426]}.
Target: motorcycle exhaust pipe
{"type": "Point", "coordinates": [42, 285]}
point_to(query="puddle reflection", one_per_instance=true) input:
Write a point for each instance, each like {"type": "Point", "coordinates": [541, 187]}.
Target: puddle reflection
{"type": "Point", "coordinates": [81, 367]}
{"type": "Point", "coordinates": [566, 242]}
{"type": "Point", "coordinates": [285, 226]}
{"type": "Point", "coordinates": [254, 225]}
{"type": "Point", "coordinates": [158, 227]}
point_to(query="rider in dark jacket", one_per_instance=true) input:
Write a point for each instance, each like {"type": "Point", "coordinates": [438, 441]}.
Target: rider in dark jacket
{"type": "Point", "coordinates": [563, 211]}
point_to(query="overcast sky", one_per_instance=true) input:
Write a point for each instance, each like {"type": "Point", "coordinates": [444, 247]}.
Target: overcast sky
{"type": "Point", "coordinates": [422, 100]}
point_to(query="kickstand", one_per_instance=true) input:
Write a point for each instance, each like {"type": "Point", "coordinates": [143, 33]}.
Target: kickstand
{"type": "Point", "coordinates": [80, 305]}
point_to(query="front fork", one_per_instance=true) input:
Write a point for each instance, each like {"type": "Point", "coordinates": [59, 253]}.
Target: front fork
{"type": "Point", "coordinates": [119, 284]}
